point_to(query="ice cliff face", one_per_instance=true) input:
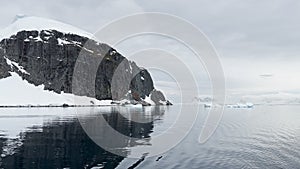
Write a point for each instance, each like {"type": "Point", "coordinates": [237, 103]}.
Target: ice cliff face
{"type": "Point", "coordinates": [48, 57]}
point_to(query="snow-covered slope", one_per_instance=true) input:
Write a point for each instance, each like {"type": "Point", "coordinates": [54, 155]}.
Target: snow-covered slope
{"type": "Point", "coordinates": [18, 92]}
{"type": "Point", "coordinates": [37, 23]}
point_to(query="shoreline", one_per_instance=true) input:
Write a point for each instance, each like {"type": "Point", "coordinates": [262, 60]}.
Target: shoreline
{"type": "Point", "coordinates": [71, 106]}
{"type": "Point", "coordinates": [45, 106]}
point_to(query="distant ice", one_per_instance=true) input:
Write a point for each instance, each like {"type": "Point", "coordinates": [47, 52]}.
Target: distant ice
{"type": "Point", "coordinates": [241, 105]}
{"type": "Point", "coordinates": [256, 98]}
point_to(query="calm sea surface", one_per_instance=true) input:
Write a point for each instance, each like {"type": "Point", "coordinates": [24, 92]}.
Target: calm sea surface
{"type": "Point", "coordinates": [262, 137]}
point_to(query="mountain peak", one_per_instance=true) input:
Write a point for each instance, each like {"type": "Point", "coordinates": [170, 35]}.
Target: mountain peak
{"type": "Point", "coordinates": [29, 23]}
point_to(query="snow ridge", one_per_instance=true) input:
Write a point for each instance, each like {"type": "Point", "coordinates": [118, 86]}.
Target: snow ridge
{"type": "Point", "coordinates": [23, 22]}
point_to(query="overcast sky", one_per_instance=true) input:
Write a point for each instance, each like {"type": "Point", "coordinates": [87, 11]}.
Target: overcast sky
{"type": "Point", "coordinates": [258, 41]}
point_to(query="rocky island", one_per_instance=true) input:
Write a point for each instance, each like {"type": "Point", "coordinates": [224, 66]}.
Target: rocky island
{"type": "Point", "coordinates": [48, 57]}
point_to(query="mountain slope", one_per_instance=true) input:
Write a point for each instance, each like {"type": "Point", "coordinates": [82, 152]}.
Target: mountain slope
{"type": "Point", "coordinates": [48, 57]}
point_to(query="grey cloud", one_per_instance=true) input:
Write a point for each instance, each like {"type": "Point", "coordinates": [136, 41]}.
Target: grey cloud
{"type": "Point", "coordinates": [87, 15]}
{"type": "Point", "coordinates": [237, 28]}
{"type": "Point", "coordinates": [261, 26]}
{"type": "Point", "coordinates": [246, 33]}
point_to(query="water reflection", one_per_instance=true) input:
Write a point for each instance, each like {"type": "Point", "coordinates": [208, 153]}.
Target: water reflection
{"type": "Point", "coordinates": [62, 143]}
{"type": "Point", "coordinates": [262, 137]}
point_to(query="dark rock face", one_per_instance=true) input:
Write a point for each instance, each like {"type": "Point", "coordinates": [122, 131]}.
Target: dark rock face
{"type": "Point", "coordinates": [158, 98]}
{"type": "Point", "coordinates": [49, 58]}
{"type": "Point", "coordinates": [4, 68]}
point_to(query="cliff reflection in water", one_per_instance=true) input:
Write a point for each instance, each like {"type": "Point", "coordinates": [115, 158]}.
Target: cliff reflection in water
{"type": "Point", "coordinates": [62, 143]}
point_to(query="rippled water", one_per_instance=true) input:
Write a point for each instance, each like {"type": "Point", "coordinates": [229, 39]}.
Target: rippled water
{"type": "Point", "coordinates": [262, 137]}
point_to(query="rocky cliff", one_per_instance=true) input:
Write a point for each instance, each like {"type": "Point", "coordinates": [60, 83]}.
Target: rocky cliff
{"type": "Point", "coordinates": [48, 58]}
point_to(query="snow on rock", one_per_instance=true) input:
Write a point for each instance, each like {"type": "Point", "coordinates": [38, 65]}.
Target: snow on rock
{"type": "Point", "coordinates": [156, 97]}
{"type": "Point", "coordinates": [112, 52]}
{"type": "Point", "coordinates": [130, 67]}
{"type": "Point", "coordinates": [28, 23]}
{"type": "Point", "coordinates": [62, 41]}
{"type": "Point", "coordinates": [12, 64]}
{"type": "Point", "coordinates": [153, 99]}
{"type": "Point", "coordinates": [148, 100]}
{"type": "Point", "coordinates": [18, 92]}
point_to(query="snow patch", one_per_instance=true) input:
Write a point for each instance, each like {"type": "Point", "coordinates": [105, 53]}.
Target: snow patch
{"type": "Point", "coordinates": [62, 41]}
{"type": "Point", "coordinates": [112, 52]}
{"type": "Point", "coordinates": [130, 67]}
{"type": "Point", "coordinates": [12, 64]}
{"type": "Point", "coordinates": [148, 100]}
{"type": "Point", "coordinates": [88, 50]}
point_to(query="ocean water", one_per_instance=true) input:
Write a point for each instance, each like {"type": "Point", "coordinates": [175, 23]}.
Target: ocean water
{"type": "Point", "coordinates": [262, 137]}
